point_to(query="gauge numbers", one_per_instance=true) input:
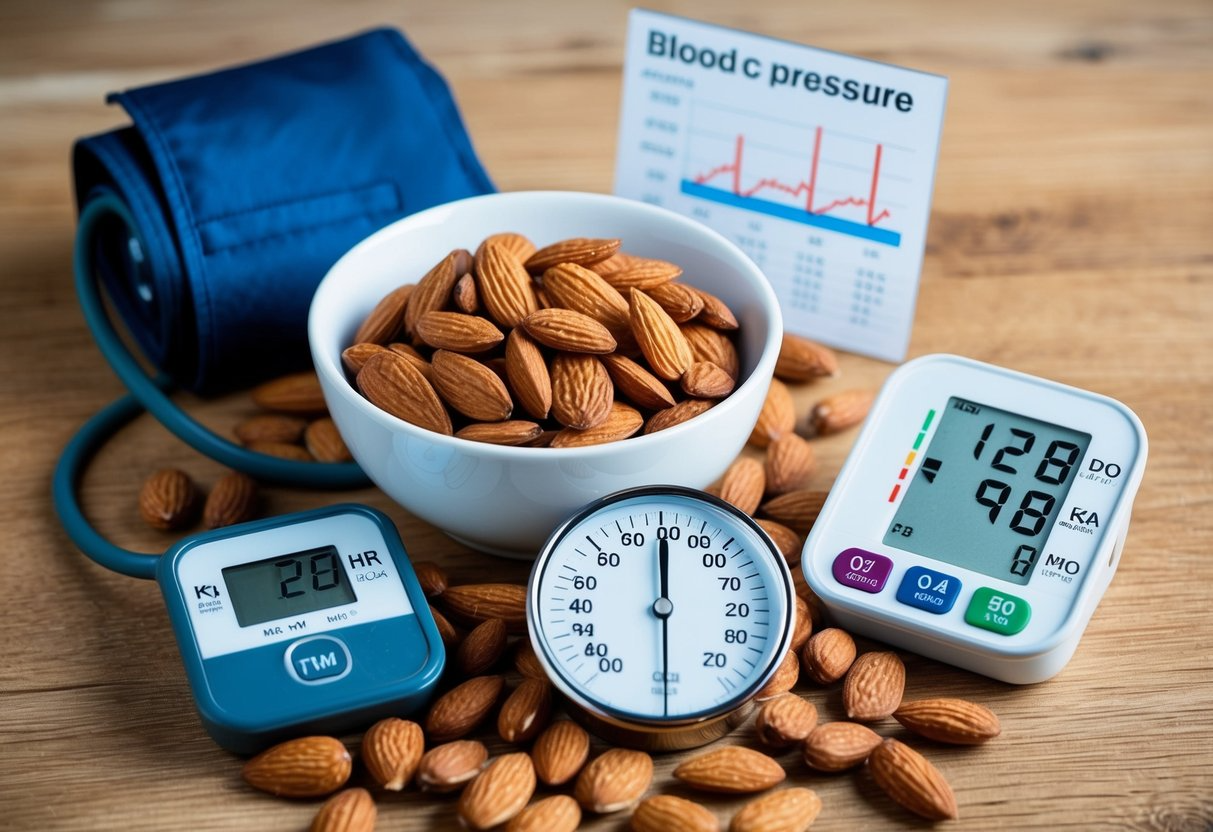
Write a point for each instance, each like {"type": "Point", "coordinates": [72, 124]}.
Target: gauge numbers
{"type": "Point", "coordinates": [660, 604]}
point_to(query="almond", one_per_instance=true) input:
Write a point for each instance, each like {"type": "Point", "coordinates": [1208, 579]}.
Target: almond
{"type": "Point", "coordinates": [797, 509]}
{"type": "Point", "coordinates": [564, 329]}
{"type": "Point", "coordinates": [621, 422]}
{"type": "Point", "coordinates": [640, 386]}
{"type": "Point", "coordinates": [273, 427]}
{"type": "Point", "coordinates": [641, 273]}
{"type": "Point", "coordinates": [527, 663]}
{"type": "Point", "coordinates": [458, 332]}
{"type": "Point", "coordinates": [396, 386]}
{"type": "Point", "coordinates": [509, 432]}
{"type": "Point", "coordinates": [732, 769]}
{"type": "Point", "coordinates": [681, 303]}
{"type": "Point", "coordinates": [708, 344]}
{"type": "Point", "coordinates": [324, 441]}
{"type": "Point", "coordinates": [582, 392]}
{"type": "Point", "coordinates": [558, 813]}
{"type": "Point", "coordinates": [582, 251]}
{"type": "Point", "coordinates": [785, 720]}
{"type": "Point", "coordinates": [505, 287]}
{"type": "Point", "coordinates": [560, 752]}
{"type": "Point", "coordinates": [473, 603]}
{"type": "Point", "coordinates": [704, 380]}
{"type": "Point", "coordinates": [743, 484]}
{"type": "Point", "coordinates": [577, 288]}
{"type": "Point", "coordinates": [462, 708]}
{"type": "Point", "coordinates": [434, 289]}
{"type": "Point", "coordinates": [828, 655]}
{"type": "Point", "coordinates": [498, 793]}
{"type": "Point", "coordinates": [304, 767]}
{"type": "Point", "coordinates": [684, 411]}
{"type": "Point", "coordinates": [787, 541]}
{"type": "Point", "coordinates": [450, 638]}
{"type": "Point", "coordinates": [515, 244]}
{"type": "Point", "coordinates": [528, 374]}
{"type": "Point", "coordinates": [777, 417]}
{"type": "Point", "coordinates": [282, 450]}
{"type": "Point", "coordinates": [465, 296]}
{"type": "Point", "coordinates": [526, 711]}
{"type": "Point", "coordinates": [352, 358]}
{"type": "Point", "coordinates": [659, 338]}
{"type": "Point", "coordinates": [387, 318]}
{"type": "Point", "coordinates": [470, 387]}
{"type": "Point", "coordinates": [911, 780]}
{"type": "Point", "coordinates": [391, 752]}
{"type": "Point", "coordinates": [954, 721]}
{"type": "Point", "coordinates": [803, 360]}
{"type": "Point", "coordinates": [874, 686]}
{"type": "Point", "coordinates": [432, 577]}
{"type": "Point", "coordinates": [295, 393]}
{"type": "Point", "coordinates": [715, 313]}
{"type": "Point", "coordinates": [232, 500]}
{"type": "Point", "coordinates": [803, 627]}
{"type": "Point", "coordinates": [786, 810]}
{"type": "Point", "coordinates": [482, 648]}
{"type": "Point", "coordinates": [786, 675]}
{"type": "Point", "coordinates": [614, 780]}
{"type": "Point", "coordinates": [667, 813]}
{"type": "Point", "coordinates": [838, 746]}
{"type": "Point", "coordinates": [448, 767]}
{"type": "Point", "coordinates": [840, 411]}
{"type": "Point", "coordinates": [168, 500]}
{"type": "Point", "coordinates": [789, 463]}
{"type": "Point", "coordinates": [351, 810]}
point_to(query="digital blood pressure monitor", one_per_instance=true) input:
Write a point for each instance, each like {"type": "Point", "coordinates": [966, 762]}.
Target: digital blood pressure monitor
{"type": "Point", "coordinates": [311, 622]}
{"type": "Point", "coordinates": [979, 517]}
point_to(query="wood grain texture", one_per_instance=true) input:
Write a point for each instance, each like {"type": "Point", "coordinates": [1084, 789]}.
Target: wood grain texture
{"type": "Point", "coordinates": [1071, 236]}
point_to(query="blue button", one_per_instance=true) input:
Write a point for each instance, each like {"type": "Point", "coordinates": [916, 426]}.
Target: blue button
{"type": "Point", "coordinates": [318, 659]}
{"type": "Point", "coordinates": [928, 590]}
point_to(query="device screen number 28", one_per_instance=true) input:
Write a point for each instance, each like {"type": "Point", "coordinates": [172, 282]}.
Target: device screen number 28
{"type": "Point", "coordinates": [323, 567]}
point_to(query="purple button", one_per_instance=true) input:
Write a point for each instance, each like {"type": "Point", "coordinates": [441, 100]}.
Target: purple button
{"type": "Point", "coordinates": [862, 569]}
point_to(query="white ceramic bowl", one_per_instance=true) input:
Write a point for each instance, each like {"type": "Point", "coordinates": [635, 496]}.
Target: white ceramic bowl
{"type": "Point", "coordinates": [507, 500]}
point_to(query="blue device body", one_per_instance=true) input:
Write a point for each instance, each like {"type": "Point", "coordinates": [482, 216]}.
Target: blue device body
{"type": "Point", "coordinates": [324, 671]}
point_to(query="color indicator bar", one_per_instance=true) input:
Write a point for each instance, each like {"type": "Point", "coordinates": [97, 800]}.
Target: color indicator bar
{"type": "Point", "coordinates": [922, 434]}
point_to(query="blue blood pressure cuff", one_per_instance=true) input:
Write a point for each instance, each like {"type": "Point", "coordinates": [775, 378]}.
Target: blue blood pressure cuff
{"type": "Point", "coordinates": [235, 191]}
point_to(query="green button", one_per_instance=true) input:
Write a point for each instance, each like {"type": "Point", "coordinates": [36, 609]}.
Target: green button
{"type": "Point", "coordinates": [999, 612]}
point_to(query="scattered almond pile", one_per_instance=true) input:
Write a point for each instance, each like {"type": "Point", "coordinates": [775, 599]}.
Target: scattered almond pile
{"type": "Point", "coordinates": [446, 752]}
{"type": "Point", "coordinates": [591, 344]}
{"type": "Point", "coordinates": [293, 424]}
{"type": "Point", "coordinates": [548, 774]}
{"type": "Point", "coordinates": [169, 500]}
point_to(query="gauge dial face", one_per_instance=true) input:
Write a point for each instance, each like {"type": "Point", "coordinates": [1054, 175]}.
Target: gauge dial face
{"type": "Point", "coordinates": [660, 604]}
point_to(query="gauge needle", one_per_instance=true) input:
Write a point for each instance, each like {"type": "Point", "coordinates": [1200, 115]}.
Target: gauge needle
{"type": "Point", "coordinates": [662, 608]}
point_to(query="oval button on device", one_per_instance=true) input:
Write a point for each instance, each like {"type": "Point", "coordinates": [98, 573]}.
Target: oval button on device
{"type": "Point", "coordinates": [318, 659]}
{"type": "Point", "coordinates": [998, 612]}
{"type": "Point", "coordinates": [862, 569]}
{"type": "Point", "coordinates": [928, 590]}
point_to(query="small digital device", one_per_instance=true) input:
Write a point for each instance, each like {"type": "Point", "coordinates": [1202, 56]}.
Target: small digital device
{"type": "Point", "coordinates": [979, 517]}
{"type": "Point", "coordinates": [660, 612]}
{"type": "Point", "coordinates": [309, 622]}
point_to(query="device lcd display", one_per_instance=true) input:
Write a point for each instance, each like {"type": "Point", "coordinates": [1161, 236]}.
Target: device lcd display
{"type": "Point", "coordinates": [284, 585]}
{"type": "Point", "coordinates": [988, 490]}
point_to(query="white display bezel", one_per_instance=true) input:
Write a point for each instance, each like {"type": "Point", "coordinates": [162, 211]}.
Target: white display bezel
{"type": "Point", "coordinates": [859, 512]}
{"type": "Point", "coordinates": [377, 586]}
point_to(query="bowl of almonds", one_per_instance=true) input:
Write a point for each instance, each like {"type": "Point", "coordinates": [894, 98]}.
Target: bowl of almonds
{"type": "Point", "coordinates": [496, 363]}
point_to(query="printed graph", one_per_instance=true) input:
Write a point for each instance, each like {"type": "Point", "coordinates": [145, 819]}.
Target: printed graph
{"type": "Point", "coordinates": [797, 171]}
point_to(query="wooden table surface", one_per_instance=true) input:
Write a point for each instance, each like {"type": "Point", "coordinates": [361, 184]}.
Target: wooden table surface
{"type": "Point", "coordinates": [1071, 237]}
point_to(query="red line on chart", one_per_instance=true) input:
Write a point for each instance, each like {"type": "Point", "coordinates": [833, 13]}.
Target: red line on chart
{"type": "Point", "coordinates": [808, 188]}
